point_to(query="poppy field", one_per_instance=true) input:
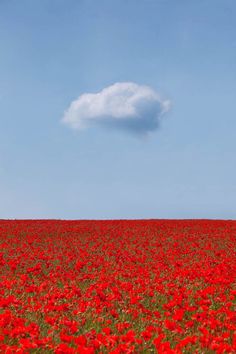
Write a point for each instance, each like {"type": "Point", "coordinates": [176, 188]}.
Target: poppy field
{"type": "Point", "coordinates": [144, 286]}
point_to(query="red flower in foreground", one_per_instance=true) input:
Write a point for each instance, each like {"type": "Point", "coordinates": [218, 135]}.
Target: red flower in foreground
{"type": "Point", "coordinates": [117, 286]}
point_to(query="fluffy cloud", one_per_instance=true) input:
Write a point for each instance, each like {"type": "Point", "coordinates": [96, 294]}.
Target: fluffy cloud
{"type": "Point", "coordinates": [124, 105]}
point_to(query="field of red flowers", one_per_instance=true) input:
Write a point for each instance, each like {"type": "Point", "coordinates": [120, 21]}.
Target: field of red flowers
{"type": "Point", "coordinates": [152, 286]}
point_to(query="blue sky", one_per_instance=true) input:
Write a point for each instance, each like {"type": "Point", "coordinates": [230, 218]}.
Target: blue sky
{"type": "Point", "coordinates": [53, 51]}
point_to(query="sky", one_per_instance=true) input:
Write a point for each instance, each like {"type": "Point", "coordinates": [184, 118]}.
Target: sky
{"type": "Point", "coordinates": [117, 109]}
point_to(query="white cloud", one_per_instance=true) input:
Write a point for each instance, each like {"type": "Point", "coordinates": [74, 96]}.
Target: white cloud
{"type": "Point", "coordinates": [124, 105]}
